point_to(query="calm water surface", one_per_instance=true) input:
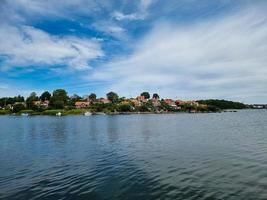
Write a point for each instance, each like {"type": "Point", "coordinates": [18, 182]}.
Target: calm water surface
{"type": "Point", "coordinates": [174, 156]}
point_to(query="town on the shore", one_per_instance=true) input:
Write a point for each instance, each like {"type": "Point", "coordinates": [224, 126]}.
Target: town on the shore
{"type": "Point", "coordinates": [60, 102]}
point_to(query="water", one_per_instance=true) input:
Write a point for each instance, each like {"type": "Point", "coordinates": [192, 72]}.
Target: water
{"type": "Point", "coordinates": [173, 156]}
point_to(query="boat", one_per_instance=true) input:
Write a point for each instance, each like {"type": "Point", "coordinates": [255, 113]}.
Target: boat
{"type": "Point", "coordinates": [58, 114]}
{"type": "Point", "coordinates": [24, 114]}
{"type": "Point", "coordinates": [87, 114]}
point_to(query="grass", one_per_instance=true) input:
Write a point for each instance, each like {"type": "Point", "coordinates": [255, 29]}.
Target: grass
{"type": "Point", "coordinates": [53, 112]}
{"type": "Point", "coordinates": [5, 112]}
{"type": "Point", "coordinates": [26, 111]}
{"type": "Point", "coordinates": [75, 111]}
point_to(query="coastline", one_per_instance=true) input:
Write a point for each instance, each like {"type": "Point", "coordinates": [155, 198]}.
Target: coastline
{"type": "Point", "coordinates": [79, 112]}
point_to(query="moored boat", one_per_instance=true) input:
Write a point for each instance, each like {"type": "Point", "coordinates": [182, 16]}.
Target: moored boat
{"type": "Point", "coordinates": [87, 114]}
{"type": "Point", "coordinates": [58, 114]}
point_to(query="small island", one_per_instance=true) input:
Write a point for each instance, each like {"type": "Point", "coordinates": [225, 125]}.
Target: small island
{"type": "Point", "coordinates": [59, 103]}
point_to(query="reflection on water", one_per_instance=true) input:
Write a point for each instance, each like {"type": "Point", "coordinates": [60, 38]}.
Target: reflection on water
{"type": "Point", "coordinates": [175, 156]}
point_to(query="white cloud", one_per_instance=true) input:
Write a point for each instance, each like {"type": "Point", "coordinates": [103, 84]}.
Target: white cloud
{"type": "Point", "coordinates": [220, 58]}
{"type": "Point", "coordinates": [28, 46]}
{"type": "Point", "coordinates": [110, 28]}
{"type": "Point", "coordinates": [140, 14]}
{"type": "Point", "coordinates": [51, 8]}
{"type": "Point", "coordinates": [120, 16]}
{"type": "Point", "coordinates": [10, 91]}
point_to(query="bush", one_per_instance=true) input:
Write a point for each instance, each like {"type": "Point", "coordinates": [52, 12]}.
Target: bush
{"type": "Point", "coordinates": [4, 112]}
{"type": "Point", "coordinates": [52, 112]}
{"type": "Point", "coordinates": [26, 111]}
{"type": "Point", "coordinates": [124, 108]}
{"type": "Point", "coordinates": [143, 108]}
{"type": "Point", "coordinates": [75, 112]}
{"type": "Point", "coordinates": [223, 104]}
{"type": "Point", "coordinates": [18, 107]}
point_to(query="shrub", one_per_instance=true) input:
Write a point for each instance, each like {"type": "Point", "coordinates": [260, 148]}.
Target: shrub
{"type": "Point", "coordinates": [124, 108]}
{"type": "Point", "coordinates": [4, 112]}
{"type": "Point", "coordinates": [18, 107]}
{"type": "Point", "coordinates": [52, 112]}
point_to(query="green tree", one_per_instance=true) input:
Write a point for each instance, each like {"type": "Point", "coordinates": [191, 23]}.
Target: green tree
{"type": "Point", "coordinates": [59, 99]}
{"type": "Point", "coordinates": [155, 96]}
{"type": "Point", "coordinates": [18, 107]}
{"type": "Point", "coordinates": [223, 104]}
{"type": "Point", "coordinates": [92, 96]}
{"type": "Point", "coordinates": [144, 108]}
{"type": "Point", "coordinates": [19, 99]}
{"type": "Point", "coordinates": [124, 108]}
{"type": "Point", "coordinates": [45, 96]}
{"type": "Point", "coordinates": [112, 96]}
{"type": "Point", "coordinates": [76, 97]}
{"type": "Point", "coordinates": [145, 94]}
{"type": "Point", "coordinates": [29, 101]}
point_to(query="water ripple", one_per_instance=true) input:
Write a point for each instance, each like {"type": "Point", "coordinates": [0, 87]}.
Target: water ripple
{"type": "Point", "coordinates": [209, 156]}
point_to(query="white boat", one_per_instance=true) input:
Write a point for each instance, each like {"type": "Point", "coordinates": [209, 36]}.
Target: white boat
{"type": "Point", "coordinates": [87, 114]}
{"type": "Point", "coordinates": [24, 114]}
{"type": "Point", "coordinates": [58, 114]}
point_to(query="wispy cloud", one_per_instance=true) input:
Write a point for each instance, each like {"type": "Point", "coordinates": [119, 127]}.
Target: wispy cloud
{"type": "Point", "coordinates": [140, 14]}
{"type": "Point", "coordinates": [223, 57]}
{"type": "Point", "coordinates": [27, 46]}
{"type": "Point", "coordinates": [110, 28]}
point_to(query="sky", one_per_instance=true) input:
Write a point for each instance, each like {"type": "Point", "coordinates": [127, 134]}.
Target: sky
{"type": "Point", "coordinates": [182, 49]}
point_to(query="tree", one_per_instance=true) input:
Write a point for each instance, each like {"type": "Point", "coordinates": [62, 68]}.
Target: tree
{"type": "Point", "coordinates": [124, 108]}
{"type": "Point", "coordinates": [29, 101]}
{"type": "Point", "coordinates": [92, 96]}
{"type": "Point", "coordinates": [112, 96]}
{"type": "Point", "coordinates": [155, 96]}
{"type": "Point", "coordinates": [146, 95]}
{"type": "Point", "coordinates": [19, 99]}
{"type": "Point", "coordinates": [59, 98]}
{"type": "Point", "coordinates": [18, 107]}
{"type": "Point", "coordinates": [76, 97]}
{"type": "Point", "coordinates": [45, 96]}
{"type": "Point", "coordinates": [223, 104]}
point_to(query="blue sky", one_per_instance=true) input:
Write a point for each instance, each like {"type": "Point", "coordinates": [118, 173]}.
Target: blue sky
{"type": "Point", "coordinates": [186, 49]}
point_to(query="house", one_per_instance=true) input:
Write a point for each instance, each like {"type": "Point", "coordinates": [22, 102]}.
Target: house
{"type": "Point", "coordinates": [82, 104]}
{"type": "Point", "coordinates": [170, 102]}
{"type": "Point", "coordinates": [23, 103]}
{"type": "Point", "coordinates": [179, 102]}
{"type": "Point", "coordinates": [45, 103]}
{"type": "Point", "coordinates": [141, 99]}
{"type": "Point", "coordinates": [41, 103]}
{"type": "Point", "coordinates": [104, 101]}
{"type": "Point", "coordinates": [192, 103]}
{"type": "Point", "coordinates": [125, 102]}
{"type": "Point", "coordinates": [136, 102]}
{"type": "Point", "coordinates": [36, 103]}
{"type": "Point", "coordinates": [155, 102]}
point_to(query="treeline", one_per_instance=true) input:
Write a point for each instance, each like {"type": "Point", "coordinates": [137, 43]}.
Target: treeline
{"type": "Point", "coordinates": [59, 99]}
{"type": "Point", "coordinates": [222, 104]}
{"type": "Point", "coordinates": [11, 100]}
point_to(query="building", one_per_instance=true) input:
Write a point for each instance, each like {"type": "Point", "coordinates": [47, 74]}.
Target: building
{"type": "Point", "coordinates": [104, 101]}
{"type": "Point", "coordinates": [136, 102]}
{"type": "Point", "coordinates": [125, 102]}
{"type": "Point", "coordinates": [179, 102]}
{"type": "Point", "coordinates": [41, 103]}
{"type": "Point", "coordinates": [170, 102]}
{"type": "Point", "coordinates": [45, 103]}
{"type": "Point", "coordinates": [155, 102]}
{"type": "Point", "coordinates": [82, 104]}
{"type": "Point", "coordinates": [36, 103]}
{"type": "Point", "coordinates": [23, 103]}
{"type": "Point", "coordinates": [141, 99]}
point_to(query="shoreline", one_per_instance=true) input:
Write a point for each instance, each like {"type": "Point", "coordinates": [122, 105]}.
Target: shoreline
{"type": "Point", "coordinates": [68, 113]}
